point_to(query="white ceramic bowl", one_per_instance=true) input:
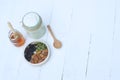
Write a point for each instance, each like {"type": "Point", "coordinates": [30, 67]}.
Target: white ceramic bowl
{"type": "Point", "coordinates": [28, 55]}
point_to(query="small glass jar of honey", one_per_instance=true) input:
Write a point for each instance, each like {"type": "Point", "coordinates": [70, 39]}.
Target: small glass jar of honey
{"type": "Point", "coordinates": [16, 38]}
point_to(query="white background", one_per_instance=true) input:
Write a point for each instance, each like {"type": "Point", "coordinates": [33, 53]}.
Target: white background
{"type": "Point", "coordinates": [88, 29]}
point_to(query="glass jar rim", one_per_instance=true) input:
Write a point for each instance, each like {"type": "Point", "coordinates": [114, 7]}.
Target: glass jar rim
{"type": "Point", "coordinates": [33, 27]}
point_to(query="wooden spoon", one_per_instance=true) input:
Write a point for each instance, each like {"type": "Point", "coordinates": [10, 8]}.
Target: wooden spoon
{"type": "Point", "coordinates": [13, 30]}
{"type": "Point", "coordinates": [11, 27]}
{"type": "Point", "coordinates": [56, 43]}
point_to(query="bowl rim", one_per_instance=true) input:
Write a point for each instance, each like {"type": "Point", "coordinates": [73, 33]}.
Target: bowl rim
{"type": "Point", "coordinates": [44, 61]}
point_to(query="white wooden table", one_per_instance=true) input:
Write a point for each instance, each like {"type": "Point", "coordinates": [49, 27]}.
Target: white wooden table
{"type": "Point", "coordinates": [88, 29]}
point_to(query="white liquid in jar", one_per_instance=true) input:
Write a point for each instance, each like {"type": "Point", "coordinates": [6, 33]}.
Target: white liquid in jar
{"type": "Point", "coordinates": [33, 25]}
{"type": "Point", "coordinates": [31, 20]}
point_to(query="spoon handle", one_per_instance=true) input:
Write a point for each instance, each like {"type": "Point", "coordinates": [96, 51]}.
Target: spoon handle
{"type": "Point", "coordinates": [10, 26]}
{"type": "Point", "coordinates": [50, 30]}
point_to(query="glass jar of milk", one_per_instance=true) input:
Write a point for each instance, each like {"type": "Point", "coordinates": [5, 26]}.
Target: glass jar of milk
{"type": "Point", "coordinates": [33, 25]}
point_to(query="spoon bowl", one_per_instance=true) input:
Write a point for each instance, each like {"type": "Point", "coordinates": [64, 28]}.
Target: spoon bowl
{"type": "Point", "coordinates": [57, 44]}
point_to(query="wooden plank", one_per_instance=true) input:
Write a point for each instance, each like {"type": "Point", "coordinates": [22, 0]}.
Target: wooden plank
{"type": "Point", "coordinates": [102, 41]}
{"type": "Point", "coordinates": [115, 63]}
{"type": "Point", "coordinates": [60, 21]}
{"type": "Point", "coordinates": [78, 39]}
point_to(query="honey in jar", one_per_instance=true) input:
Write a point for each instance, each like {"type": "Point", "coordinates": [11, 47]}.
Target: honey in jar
{"type": "Point", "coordinates": [16, 38]}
